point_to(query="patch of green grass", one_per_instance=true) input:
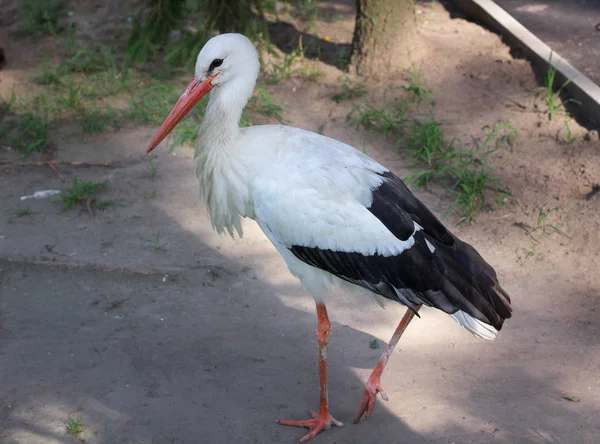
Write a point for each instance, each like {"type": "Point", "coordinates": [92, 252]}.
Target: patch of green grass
{"type": "Point", "coordinates": [552, 98]}
{"type": "Point", "coordinates": [155, 241]}
{"type": "Point", "coordinates": [282, 66]}
{"type": "Point", "coordinates": [261, 103]}
{"type": "Point", "coordinates": [415, 86]}
{"type": "Point", "coordinates": [343, 58]}
{"type": "Point", "coordinates": [40, 103]}
{"type": "Point", "coordinates": [103, 204]}
{"type": "Point", "coordinates": [310, 72]}
{"type": "Point", "coordinates": [539, 233]}
{"type": "Point", "coordinates": [569, 136]}
{"type": "Point", "coordinates": [90, 73]}
{"type": "Point", "coordinates": [82, 190]}
{"type": "Point", "coordinates": [387, 119]}
{"type": "Point", "coordinates": [77, 89]}
{"type": "Point", "coordinates": [74, 426]}
{"type": "Point", "coordinates": [471, 173]}
{"type": "Point", "coordinates": [87, 75]}
{"type": "Point", "coordinates": [350, 90]}
{"type": "Point", "coordinates": [73, 99]}
{"type": "Point", "coordinates": [529, 251]}
{"type": "Point", "coordinates": [7, 105]}
{"type": "Point", "coordinates": [307, 11]}
{"type": "Point", "coordinates": [41, 17]}
{"type": "Point", "coordinates": [94, 120]}
{"type": "Point", "coordinates": [425, 142]}
{"type": "Point", "coordinates": [465, 173]}
{"type": "Point", "coordinates": [28, 133]}
{"type": "Point", "coordinates": [151, 167]}
{"type": "Point", "coordinates": [152, 105]}
{"type": "Point", "coordinates": [542, 227]}
{"type": "Point", "coordinates": [186, 133]}
{"type": "Point", "coordinates": [472, 178]}
{"type": "Point", "coordinates": [501, 135]}
{"type": "Point", "coordinates": [22, 212]}
{"type": "Point", "coordinates": [18, 212]}
{"type": "Point", "coordinates": [87, 59]}
{"type": "Point", "coordinates": [183, 53]}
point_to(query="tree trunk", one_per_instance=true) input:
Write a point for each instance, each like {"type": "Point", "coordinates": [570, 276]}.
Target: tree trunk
{"type": "Point", "coordinates": [384, 31]}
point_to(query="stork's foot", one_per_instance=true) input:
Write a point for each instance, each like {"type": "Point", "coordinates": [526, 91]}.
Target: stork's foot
{"type": "Point", "coordinates": [314, 425]}
{"type": "Point", "coordinates": [367, 404]}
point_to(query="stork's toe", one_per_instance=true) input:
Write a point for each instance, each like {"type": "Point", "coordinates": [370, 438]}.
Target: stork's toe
{"type": "Point", "coordinates": [367, 403]}
{"type": "Point", "coordinates": [315, 425]}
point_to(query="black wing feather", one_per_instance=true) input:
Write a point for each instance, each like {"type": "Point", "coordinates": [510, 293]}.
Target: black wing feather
{"type": "Point", "coordinates": [453, 277]}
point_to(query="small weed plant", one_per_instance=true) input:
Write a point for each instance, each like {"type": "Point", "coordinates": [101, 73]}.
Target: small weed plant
{"type": "Point", "coordinates": [151, 167]}
{"type": "Point", "coordinates": [415, 86]}
{"type": "Point", "coordinates": [568, 135]}
{"type": "Point", "coordinates": [550, 96]}
{"type": "Point", "coordinates": [27, 133]}
{"type": "Point", "coordinates": [283, 66]}
{"type": "Point", "coordinates": [74, 426]}
{"type": "Point", "coordinates": [388, 119]}
{"type": "Point", "coordinates": [542, 227]}
{"type": "Point", "coordinates": [39, 18]}
{"type": "Point", "coordinates": [350, 90]}
{"type": "Point", "coordinates": [83, 191]}
{"type": "Point", "coordinates": [539, 233]}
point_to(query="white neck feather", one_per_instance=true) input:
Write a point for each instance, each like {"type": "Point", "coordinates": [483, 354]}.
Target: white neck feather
{"type": "Point", "coordinates": [217, 161]}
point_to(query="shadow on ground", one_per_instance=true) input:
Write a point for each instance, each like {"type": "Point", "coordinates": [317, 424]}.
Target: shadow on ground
{"type": "Point", "coordinates": [287, 38]}
{"type": "Point", "coordinates": [212, 354]}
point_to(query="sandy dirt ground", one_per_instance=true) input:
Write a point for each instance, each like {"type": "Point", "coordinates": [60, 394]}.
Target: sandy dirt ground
{"type": "Point", "coordinates": [195, 338]}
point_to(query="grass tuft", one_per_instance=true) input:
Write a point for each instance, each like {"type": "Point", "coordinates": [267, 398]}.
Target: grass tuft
{"type": "Point", "coordinates": [542, 227]}
{"type": "Point", "coordinates": [282, 66]}
{"type": "Point", "coordinates": [153, 105]}
{"type": "Point", "coordinates": [27, 133]}
{"type": "Point", "coordinates": [155, 241]}
{"type": "Point", "coordinates": [570, 138]}
{"type": "Point", "coordinates": [151, 166]}
{"type": "Point", "coordinates": [552, 98]}
{"type": "Point", "coordinates": [95, 120]}
{"type": "Point", "coordinates": [83, 190]}
{"type": "Point", "coordinates": [388, 119]}
{"type": "Point", "coordinates": [539, 233]}
{"type": "Point", "coordinates": [40, 18]}
{"type": "Point", "coordinates": [261, 103]}
{"type": "Point", "coordinates": [415, 86]}
{"type": "Point", "coordinates": [464, 172]}
{"type": "Point", "coordinates": [74, 426]}
{"type": "Point", "coordinates": [350, 90]}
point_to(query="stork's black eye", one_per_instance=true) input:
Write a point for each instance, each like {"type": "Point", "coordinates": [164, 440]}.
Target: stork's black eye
{"type": "Point", "coordinates": [215, 64]}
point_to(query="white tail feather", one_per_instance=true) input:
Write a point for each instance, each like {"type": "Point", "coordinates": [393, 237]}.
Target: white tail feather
{"type": "Point", "coordinates": [475, 326]}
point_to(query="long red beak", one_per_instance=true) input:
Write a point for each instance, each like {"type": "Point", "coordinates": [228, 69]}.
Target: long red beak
{"type": "Point", "coordinates": [192, 95]}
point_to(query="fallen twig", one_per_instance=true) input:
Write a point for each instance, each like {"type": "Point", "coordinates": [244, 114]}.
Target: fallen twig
{"type": "Point", "coordinates": [61, 162]}
{"type": "Point", "coordinates": [53, 168]}
{"type": "Point", "coordinates": [100, 267]}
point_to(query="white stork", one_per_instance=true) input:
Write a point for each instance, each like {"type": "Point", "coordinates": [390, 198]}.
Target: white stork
{"type": "Point", "coordinates": [336, 216]}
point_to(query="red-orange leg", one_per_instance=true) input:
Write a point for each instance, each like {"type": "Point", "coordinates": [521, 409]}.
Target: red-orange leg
{"type": "Point", "coordinates": [373, 384]}
{"type": "Point", "coordinates": [322, 420]}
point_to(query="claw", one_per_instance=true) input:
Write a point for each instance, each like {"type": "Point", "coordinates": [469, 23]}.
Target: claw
{"type": "Point", "coordinates": [367, 403]}
{"type": "Point", "coordinates": [314, 425]}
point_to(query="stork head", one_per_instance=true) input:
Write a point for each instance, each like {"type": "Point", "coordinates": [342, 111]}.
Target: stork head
{"type": "Point", "coordinates": [229, 64]}
{"type": "Point", "coordinates": [229, 57]}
